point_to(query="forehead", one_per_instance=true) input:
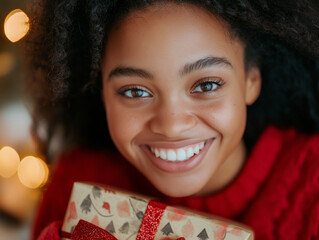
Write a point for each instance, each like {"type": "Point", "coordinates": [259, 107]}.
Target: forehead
{"type": "Point", "coordinates": [170, 30]}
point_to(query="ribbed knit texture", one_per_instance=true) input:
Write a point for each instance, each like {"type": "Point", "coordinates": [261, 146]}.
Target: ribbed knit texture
{"type": "Point", "coordinates": [276, 192]}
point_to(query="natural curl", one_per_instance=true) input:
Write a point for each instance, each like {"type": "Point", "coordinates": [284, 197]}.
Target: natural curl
{"type": "Point", "coordinates": [66, 43]}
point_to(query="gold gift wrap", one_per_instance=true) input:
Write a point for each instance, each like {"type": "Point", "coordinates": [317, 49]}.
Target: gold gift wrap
{"type": "Point", "coordinates": [121, 214]}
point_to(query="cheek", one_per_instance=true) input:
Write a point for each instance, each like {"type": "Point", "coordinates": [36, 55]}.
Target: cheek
{"type": "Point", "coordinates": [120, 124]}
{"type": "Point", "coordinates": [227, 117]}
{"type": "Point", "coordinates": [124, 123]}
{"type": "Point", "coordinates": [231, 113]}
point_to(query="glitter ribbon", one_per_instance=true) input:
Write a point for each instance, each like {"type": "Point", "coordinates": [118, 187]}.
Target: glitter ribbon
{"type": "Point", "coordinates": [152, 218]}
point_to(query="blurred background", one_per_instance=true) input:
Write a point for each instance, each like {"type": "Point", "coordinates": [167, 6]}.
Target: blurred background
{"type": "Point", "coordinates": [22, 172]}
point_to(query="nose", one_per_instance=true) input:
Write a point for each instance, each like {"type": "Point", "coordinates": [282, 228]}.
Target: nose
{"type": "Point", "coordinates": [171, 120]}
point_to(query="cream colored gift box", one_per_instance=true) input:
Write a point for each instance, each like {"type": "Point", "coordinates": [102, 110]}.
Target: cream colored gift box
{"type": "Point", "coordinates": [121, 214]}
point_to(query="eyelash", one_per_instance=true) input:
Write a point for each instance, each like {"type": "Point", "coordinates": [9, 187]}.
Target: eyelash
{"type": "Point", "coordinates": [130, 91]}
{"type": "Point", "coordinates": [218, 82]}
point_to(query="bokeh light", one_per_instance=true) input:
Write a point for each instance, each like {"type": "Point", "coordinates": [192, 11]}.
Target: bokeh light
{"type": "Point", "coordinates": [16, 25]}
{"type": "Point", "coordinates": [9, 161]}
{"type": "Point", "coordinates": [33, 172]}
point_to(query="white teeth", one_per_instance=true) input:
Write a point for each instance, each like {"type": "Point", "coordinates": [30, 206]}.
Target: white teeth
{"type": "Point", "coordinates": [190, 152]}
{"type": "Point", "coordinates": [171, 155]}
{"type": "Point", "coordinates": [179, 154]}
{"type": "Point", "coordinates": [162, 154]}
{"type": "Point", "coordinates": [196, 149]}
{"type": "Point", "coordinates": [157, 153]}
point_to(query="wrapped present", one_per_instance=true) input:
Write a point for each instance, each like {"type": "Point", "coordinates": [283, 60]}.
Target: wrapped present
{"type": "Point", "coordinates": [112, 214]}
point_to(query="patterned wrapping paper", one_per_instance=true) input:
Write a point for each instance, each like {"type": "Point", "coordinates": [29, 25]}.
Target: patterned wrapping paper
{"type": "Point", "coordinates": [121, 214]}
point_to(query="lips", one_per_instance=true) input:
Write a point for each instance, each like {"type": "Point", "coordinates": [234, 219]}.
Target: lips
{"type": "Point", "coordinates": [176, 158]}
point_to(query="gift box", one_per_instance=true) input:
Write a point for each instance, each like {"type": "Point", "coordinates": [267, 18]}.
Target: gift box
{"type": "Point", "coordinates": [112, 214]}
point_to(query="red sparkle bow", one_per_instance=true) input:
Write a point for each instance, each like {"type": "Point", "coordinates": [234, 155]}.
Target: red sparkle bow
{"type": "Point", "coordinates": [152, 217]}
{"type": "Point", "coordinates": [88, 231]}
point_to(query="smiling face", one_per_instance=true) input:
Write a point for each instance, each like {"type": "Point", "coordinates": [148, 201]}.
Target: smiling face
{"type": "Point", "coordinates": [175, 91]}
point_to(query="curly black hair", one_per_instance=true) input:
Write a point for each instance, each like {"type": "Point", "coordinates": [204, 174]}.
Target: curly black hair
{"type": "Point", "coordinates": [66, 43]}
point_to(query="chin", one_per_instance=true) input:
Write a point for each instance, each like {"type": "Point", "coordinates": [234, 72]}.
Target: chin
{"type": "Point", "coordinates": [173, 192]}
{"type": "Point", "coordinates": [172, 189]}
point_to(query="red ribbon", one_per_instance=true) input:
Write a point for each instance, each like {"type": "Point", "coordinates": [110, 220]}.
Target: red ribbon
{"type": "Point", "coordinates": [151, 220]}
{"type": "Point", "coordinates": [152, 217]}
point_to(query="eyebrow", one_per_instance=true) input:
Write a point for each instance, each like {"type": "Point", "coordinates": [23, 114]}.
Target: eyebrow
{"type": "Point", "coordinates": [131, 72]}
{"type": "Point", "coordinates": [204, 63]}
{"type": "Point", "coordinates": [187, 69]}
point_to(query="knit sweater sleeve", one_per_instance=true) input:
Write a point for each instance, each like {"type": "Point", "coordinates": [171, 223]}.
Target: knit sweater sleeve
{"type": "Point", "coordinates": [303, 197]}
{"type": "Point", "coordinates": [288, 205]}
{"type": "Point", "coordinates": [306, 201]}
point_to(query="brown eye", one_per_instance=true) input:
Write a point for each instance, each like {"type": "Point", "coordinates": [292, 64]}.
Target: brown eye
{"type": "Point", "coordinates": [137, 93]}
{"type": "Point", "coordinates": [134, 93]}
{"type": "Point", "coordinates": [207, 86]}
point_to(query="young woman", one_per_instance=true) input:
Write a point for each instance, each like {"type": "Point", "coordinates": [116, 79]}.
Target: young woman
{"type": "Point", "coordinates": [211, 105]}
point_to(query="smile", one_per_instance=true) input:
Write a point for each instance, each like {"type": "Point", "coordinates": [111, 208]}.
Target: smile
{"type": "Point", "coordinates": [177, 157]}
{"type": "Point", "coordinates": [178, 154]}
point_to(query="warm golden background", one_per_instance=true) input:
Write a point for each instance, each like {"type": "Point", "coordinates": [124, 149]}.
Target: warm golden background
{"type": "Point", "coordinates": [22, 172]}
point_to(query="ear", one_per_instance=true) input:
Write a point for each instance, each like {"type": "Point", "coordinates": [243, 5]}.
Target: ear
{"type": "Point", "coordinates": [253, 85]}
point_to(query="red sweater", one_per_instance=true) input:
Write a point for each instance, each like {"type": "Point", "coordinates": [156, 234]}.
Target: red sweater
{"type": "Point", "coordinates": [276, 193]}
